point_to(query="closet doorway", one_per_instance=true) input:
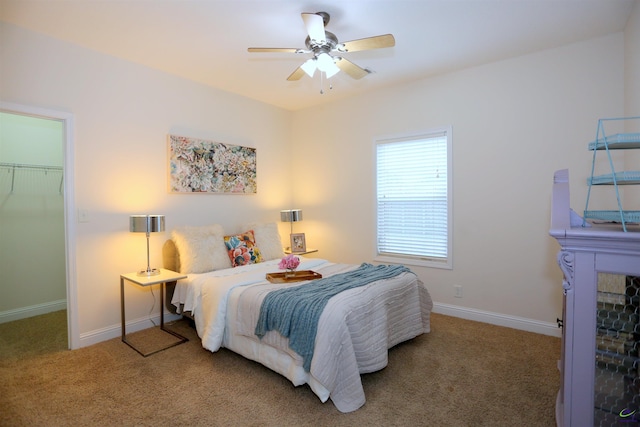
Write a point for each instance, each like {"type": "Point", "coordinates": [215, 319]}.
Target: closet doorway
{"type": "Point", "coordinates": [35, 148]}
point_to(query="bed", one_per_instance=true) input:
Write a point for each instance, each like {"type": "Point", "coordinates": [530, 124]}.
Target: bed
{"type": "Point", "coordinates": [354, 329]}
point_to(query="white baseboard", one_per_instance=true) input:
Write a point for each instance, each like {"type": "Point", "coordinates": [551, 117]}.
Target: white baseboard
{"type": "Point", "coordinates": [521, 323]}
{"type": "Point", "coordinates": [33, 310]}
{"type": "Point", "coordinates": [115, 331]}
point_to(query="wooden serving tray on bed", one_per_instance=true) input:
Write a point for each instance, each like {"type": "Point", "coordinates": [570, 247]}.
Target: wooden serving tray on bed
{"type": "Point", "coordinates": [297, 276]}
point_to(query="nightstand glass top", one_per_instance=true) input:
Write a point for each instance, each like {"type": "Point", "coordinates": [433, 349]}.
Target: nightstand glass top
{"type": "Point", "coordinates": [164, 276]}
{"type": "Point", "coordinates": [308, 251]}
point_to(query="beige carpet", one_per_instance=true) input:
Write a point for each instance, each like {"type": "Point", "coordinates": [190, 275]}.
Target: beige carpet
{"type": "Point", "coordinates": [461, 374]}
{"type": "Point", "coordinates": [33, 336]}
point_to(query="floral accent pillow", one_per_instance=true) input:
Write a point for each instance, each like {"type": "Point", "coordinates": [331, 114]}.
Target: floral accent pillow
{"type": "Point", "coordinates": [242, 249]}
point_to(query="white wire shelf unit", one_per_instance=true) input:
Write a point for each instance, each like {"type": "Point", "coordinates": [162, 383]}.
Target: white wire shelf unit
{"type": "Point", "coordinates": [608, 143]}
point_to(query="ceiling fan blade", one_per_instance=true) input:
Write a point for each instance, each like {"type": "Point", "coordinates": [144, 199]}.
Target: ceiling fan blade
{"type": "Point", "coordinates": [350, 68]}
{"type": "Point", "coordinates": [315, 26]}
{"type": "Point", "coordinates": [376, 42]}
{"type": "Point", "coordinates": [296, 75]}
{"type": "Point", "coordinates": [276, 49]}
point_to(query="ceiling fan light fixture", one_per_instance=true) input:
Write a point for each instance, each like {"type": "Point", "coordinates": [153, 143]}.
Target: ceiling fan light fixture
{"type": "Point", "coordinates": [327, 65]}
{"type": "Point", "coordinates": [309, 67]}
{"type": "Point", "coordinates": [332, 72]}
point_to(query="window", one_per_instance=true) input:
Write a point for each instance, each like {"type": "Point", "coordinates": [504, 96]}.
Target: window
{"type": "Point", "coordinates": [414, 199]}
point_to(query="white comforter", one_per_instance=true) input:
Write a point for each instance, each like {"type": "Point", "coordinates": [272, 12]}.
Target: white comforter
{"type": "Point", "coordinates": [355, 329]}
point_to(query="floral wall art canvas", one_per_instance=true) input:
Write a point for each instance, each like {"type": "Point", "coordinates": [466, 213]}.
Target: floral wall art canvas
{"type": "Point", "coordinates": [201, 166]}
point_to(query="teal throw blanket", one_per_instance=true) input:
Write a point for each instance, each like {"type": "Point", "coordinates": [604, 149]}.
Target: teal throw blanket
{"type": "Point", "coordinates": [294, 312]}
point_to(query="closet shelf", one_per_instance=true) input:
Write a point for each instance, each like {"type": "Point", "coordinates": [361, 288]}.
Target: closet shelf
{"type": "Point", "coordinates": [16, 178]}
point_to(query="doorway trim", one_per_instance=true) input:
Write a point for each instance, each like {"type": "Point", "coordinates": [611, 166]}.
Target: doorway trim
{"type": "Point", "coordinates": [73, 333]}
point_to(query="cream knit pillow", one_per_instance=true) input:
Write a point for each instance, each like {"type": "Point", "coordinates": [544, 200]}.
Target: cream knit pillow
{"type": "Point", "coordinates": [201, 249]}
{"type": "Point", "coordinates": [267, 240]}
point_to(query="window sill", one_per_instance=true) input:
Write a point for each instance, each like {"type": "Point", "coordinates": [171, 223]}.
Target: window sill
{"type": "Point", "coordinates": [422, 262]}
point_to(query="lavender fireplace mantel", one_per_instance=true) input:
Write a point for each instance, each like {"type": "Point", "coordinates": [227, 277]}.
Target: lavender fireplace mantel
{"type": "Point", "coordinates": [587, 250]}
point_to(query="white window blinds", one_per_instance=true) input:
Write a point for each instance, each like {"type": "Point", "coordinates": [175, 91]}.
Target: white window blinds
{"type": "Point", "coordinates": [413, 197]}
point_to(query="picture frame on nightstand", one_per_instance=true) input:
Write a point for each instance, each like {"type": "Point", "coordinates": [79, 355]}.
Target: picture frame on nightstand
{"type": "Point", "coordinates": [298, 243]}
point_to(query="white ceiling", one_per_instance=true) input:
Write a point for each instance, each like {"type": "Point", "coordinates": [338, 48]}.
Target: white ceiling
{"type": "Point", "coordinates": [207, 40]}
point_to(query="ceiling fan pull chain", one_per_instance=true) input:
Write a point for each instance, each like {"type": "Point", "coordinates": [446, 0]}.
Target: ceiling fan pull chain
{"type": "Point", "coordinates": [322, 83]}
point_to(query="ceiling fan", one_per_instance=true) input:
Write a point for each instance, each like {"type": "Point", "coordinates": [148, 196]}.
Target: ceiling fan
{"type": "Point", "coordinates": [327, 49]}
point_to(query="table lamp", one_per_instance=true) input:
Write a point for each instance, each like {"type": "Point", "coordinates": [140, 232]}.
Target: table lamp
{"type": "Point", "coordinates": [291, 215]}
{"type": "Point", "coordinates": [147, 224]}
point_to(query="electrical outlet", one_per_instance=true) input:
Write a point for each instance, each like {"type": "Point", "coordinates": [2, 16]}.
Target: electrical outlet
{"type": "Point", "coordinates": [457, 291]}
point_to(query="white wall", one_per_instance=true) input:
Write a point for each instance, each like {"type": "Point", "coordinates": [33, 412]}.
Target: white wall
{"type": "Point", "coordinates": [632, 97]}
{"type": "Point", "coordinates": [632, 63]}
{"type": "Point", "coordinates": [123, 113]}
{"type": "Point", "coordinates": [514, 123]}
{"type": "Point", "coordinates": [30, 140]}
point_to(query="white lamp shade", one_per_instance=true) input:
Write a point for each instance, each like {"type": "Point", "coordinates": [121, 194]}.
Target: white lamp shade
{"type": "Point", "coordinates": [327, 64]}
{"type": "Point", "coordinates": [323, 62]}
{"type": "Point", "coordinates": [309, 67]}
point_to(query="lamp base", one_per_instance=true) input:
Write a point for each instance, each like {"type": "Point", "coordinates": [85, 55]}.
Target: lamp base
{"type": "Point", "coordinates": [149, 272]}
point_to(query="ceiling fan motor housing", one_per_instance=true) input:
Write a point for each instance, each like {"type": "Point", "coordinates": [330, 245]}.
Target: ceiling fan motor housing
{"type": "Point", "coordinates": [322, 46]}
{"type": "Point", "coordinates": [325, 17]}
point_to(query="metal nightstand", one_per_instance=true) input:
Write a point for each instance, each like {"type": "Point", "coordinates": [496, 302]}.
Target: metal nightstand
{"type": "Point", "coordinates": [162, 278]}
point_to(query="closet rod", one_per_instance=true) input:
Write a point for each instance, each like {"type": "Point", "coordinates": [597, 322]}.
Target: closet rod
{"type": "Point", "coordinates": [37, 167]}
{"type": "Point", "coordinates": [14, 166]}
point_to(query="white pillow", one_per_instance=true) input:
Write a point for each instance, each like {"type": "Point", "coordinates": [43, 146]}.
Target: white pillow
{"type": "Point", "coordinates": [201, 249]}
{"type": "Point", "coordinates": [267, 240]}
